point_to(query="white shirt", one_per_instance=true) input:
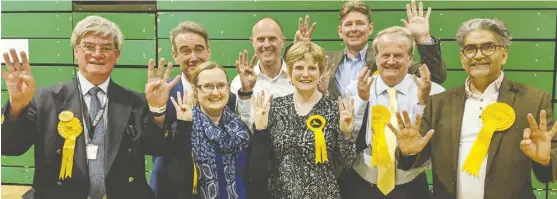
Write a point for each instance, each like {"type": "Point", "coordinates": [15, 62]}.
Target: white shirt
{"type": "Point", "coordinates": [85, 87]}
{"type": "Point", "coordinates": [186, 86]}
{"type": "Point", "coordinates": [468, 186]}
{"type": "Point", "coordinates": [407, 99]}
{"type": "Point", "coordinates": [277, 87]}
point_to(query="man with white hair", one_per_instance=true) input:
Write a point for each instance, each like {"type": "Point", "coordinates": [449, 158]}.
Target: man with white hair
{"type": "Point", "coordinates": [90, 135]}
{"type": "Point", "coordinates": [394, 88]}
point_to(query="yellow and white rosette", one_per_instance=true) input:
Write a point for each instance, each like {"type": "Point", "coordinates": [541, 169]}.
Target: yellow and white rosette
{"type": "Point", "coordinates": [69, 128]}
{"type": "Point", "coordinates": [316, 123]}
{"type": "Point", "coordinates": [380, 117]}
{"type": "Point", "coordinates": [194, 191]}
{"type": "Point", "coordinates": [495, 117]}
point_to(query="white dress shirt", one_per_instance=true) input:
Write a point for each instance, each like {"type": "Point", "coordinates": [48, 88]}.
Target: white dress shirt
{"type": "Point", "coordinates": [277, 87]}
{"type": "Point", "coordinates": [103, 97]}
{"type": "Point", "coordinates": [407, 99]}
{"type": "Point", "coordinates": [186, 86]}
{"type": "Point", "coordinates": [468, 186]}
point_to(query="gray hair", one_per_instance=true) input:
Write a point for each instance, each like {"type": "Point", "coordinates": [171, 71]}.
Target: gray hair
{"type": "Point", "coordinates": [396, 31]}
{"type": "Point", "coordinates": [494, 25]}
{"type": "Point", "coordinates": [99, 26]}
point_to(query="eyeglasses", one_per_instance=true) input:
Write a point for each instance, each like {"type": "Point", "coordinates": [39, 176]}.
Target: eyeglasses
{"type": "Point", "coordinates": [207, 88]}
{"type": "Point", "coordinates": [488, 49]}
{"type": "Point", "coordinates": [91, 49]}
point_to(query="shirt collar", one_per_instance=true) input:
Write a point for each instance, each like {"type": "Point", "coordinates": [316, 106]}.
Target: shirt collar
{"type": "Point", "coordinates": [402, 87]}
{"type": "Point", "coordinates": [360, 56]}
{"type": "Point", "coordinates": [185, 82]}
{"type": "Point", "coordinates": [493, 87]}
{"type": "Point", "coordinates": [257, 68]}
{"type": "Point", "coordinates": [86, 85]}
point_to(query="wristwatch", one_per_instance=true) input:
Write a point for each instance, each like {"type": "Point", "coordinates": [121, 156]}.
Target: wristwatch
{"type": "Point", "coordinates": [245, 94]}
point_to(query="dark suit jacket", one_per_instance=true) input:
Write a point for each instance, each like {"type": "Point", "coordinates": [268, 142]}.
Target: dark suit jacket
{"type": "Point", "coordinates": [124, 152]}
{"type": "Point", "coordinates": [508, 168]}
{"type": "Point", "coordinates": [172, 174]}
{"type": "Point", "coordinates": [429, 54]}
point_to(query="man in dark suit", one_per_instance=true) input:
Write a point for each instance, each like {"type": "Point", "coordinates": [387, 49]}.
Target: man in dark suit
{"type": "Point", "coordinates": [354, 29]}
{"type": "Point", "coordinates": [172, 174]}
{"type": "Point", "coordinates": [90, 135]}
{"type": "Point", "coordinates": [461, 119]}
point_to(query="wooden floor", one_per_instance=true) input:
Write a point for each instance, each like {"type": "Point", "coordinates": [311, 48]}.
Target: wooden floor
{"type": "Point", "coordinates": [13, 192]}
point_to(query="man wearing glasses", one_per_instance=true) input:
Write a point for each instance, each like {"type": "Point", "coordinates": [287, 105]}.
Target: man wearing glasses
{"type": "Point", "coordinates": [483, 138]}
{"type": "Point", "coordinates": [90, 135]}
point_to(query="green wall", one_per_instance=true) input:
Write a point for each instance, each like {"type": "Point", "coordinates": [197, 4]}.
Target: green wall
{"type": "Point", "coordinates": [48, 26]}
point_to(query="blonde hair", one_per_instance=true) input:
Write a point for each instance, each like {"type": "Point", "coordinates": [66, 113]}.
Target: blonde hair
{"type": "Point", "coordinates": [189, 27]}
{"type": "Point", "coordinates": [304, 50]}
{"type": "Point", "coordinates": [99, 26]}
{"type": "Point", "coordinates": [354, 6]}
{"type": "Point", "coordinates": [395, 31]}
{"type": "Point", "coordinates": [194, 79]}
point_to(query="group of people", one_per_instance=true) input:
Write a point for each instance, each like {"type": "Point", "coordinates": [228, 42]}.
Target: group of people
{"type": "Point", "coordinates": [364, 122]}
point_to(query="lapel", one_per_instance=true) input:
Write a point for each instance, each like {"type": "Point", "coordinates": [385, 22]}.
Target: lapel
{"type": "Point", "coordinates": [335, 57]}
{"type": "Point", "coordinates": [370, 59]}
{"type": "Point", "coordinates": [67, 97]}
{"type": "Point", "coordinates": [507, 93]}
{"type": "Point", "coordinates": [119, 110]}
{"type": "Point", "coordinates": [458, 97]}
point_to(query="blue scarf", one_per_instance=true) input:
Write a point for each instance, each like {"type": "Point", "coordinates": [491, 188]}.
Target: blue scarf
{"type": "Point", "coordinates": [209, 139]}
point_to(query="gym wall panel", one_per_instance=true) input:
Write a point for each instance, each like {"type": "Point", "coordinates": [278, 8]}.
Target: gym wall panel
{"type": "Point", "coordinates": [36, 25]}
{"type": "Point", "coordinates": [185, 5]}
{"type": "Point", "coordinates": [57, 51]}
{"type": "Point", "coordinates": [132, 25]}
{"type": "Point", "coordinates": [44, 5]}
{"type": "Point", "coordinates": [27, 159]}
{"type": "Point", "coordinates": [18, 175]}
{"type": "Point", "coordinates": [137, 52]}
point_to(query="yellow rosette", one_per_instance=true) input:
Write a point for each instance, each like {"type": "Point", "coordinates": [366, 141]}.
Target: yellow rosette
{"type": "Point", "coordinates": [495, 117]}
{"type": "Point", "coordinates": [69, 128]}
{"type": "Point", "coordinates": [316, 123]}
{"type": "Point", "coordinates": [380, 117]}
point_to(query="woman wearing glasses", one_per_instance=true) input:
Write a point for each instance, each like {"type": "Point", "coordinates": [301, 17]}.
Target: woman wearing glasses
{"type": "Point", "coordinates": [304, 137]}
{"type": "Point", "coordinates": [212, 134]}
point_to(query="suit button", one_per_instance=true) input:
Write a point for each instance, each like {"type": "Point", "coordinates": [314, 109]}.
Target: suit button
{"type": "Point", "coordinates": [59, 183]}
{"type": "Point", "coordinates": [130, 179]}
{"type": "Point", "coordinates": [58, 151]}
{"type": "Point", "coordinates": [130, 150]}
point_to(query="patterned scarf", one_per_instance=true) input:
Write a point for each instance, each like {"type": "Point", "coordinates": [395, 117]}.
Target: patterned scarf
{"type": "Point", "coordinates": [209, 139]}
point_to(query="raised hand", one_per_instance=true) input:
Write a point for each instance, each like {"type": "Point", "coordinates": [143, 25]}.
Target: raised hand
{"type": "Point", "coordinates": [304, 32]}
{"type": "Point", "coordinates": [536, 140]}
{"type": "Point", "coordinates": [424, 84]}
{"type": "Point", "coordinates": [245, 71]}
{"type": "Point", "coordinates": [19, 81]}
{"type": "Point", "coordinates": [158, 88]}
{"type": "Point", "coordinates": [323, 85]}
{"type": "Point", "coordinates": [408, 137]}
{"type": "Point", "coordinates": [346, 112]}
{"type": "Point", "coordinates": [364, 83]}
{"type": "Point", "coordinates": [417, 23]}
{"type": "Point", "coordinates": [261, 110]}
{"type": "Point", "coordinates": [184, 106]}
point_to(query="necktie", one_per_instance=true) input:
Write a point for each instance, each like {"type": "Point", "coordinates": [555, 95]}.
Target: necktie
{"type": "Point", "coordinates": [386, 176]}
{"type": "Point", "coordinates": [96, 166]}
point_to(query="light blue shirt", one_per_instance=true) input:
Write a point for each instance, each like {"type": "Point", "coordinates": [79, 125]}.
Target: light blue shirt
{"type": "Point", "coordinates": [348, 69]}
{"type": "Point", "coordinates": [407, 99]}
